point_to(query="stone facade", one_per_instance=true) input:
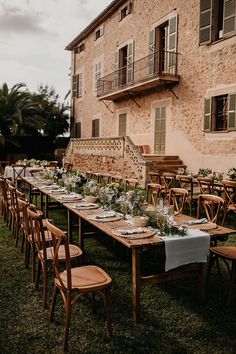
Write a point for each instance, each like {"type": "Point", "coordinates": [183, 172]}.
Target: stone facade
{"type": "Point", "coordinates": [204, 70]}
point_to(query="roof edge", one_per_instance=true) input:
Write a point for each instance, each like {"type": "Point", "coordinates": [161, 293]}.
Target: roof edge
{"type": "Point", "coordinates": [110, 9]}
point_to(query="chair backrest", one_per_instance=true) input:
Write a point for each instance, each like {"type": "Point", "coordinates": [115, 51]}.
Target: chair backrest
{"type": "Point", "coordinates": [229, 193]}
{"type": "Point", "coordinates": [36, 229]}
{"type": "Point", "coordinates": [152, 193]}
{"type": "Point", "coordinates": [212, 205]}
{"type": "Point", "coordinates": [14, 195]}
{"type": "Point", "coordinates": [168, 180]}
{"type": "Point", "coordinates": [23, 204]}
{"type": "Point", "coordinates": [185, 182]}
{"type": "Point", "coordinates": [18, 172]}
{"type": "Point", "coordinates": [130, 183]}
{"type": "Point", "coordinates": [60, 238]}
{"type": "Point", "coordinates": [177, 198]}
{"type": "Point", "coordinates": [205, 185]}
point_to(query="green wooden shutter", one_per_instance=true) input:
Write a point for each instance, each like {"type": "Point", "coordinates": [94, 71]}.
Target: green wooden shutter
{"type": "Point", "coordinates": [80, 85]}
{"type": "Point", "coordinates": [205, 21]}
{"type": "Point", "coordinates": [74, 86]}
{"type": "Point", "coordinates": [122, 124]}
{"type": "Point", "coordinates": [172, 44]}
{"type": "Point", "coordinates": [151, 58]}
{"type": "Point", "coordinates": [130, 62]}
{"type": "Point", "coordinates": [232, 112]}
{"type": "Point", "coordinates": [207, 114]}
{"type": "Point", "coordinates": [95, 128]}
{"type": "Point", "coordinates": [116, 68]}
{"type": "Point", "coordinates": [229, 20]}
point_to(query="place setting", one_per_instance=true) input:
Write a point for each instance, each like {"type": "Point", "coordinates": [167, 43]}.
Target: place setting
{"type": "Point", "coordinates": [106, 216]}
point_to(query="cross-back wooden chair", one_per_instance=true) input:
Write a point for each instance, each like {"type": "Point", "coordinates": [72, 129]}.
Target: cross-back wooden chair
{"type": "Point", "coordinates": [205, 185]}
{"type": "Point", "coordinates": [228, 255]}
{"type": "Point", "coordinates": [15, 210]}
{"type": "Point", "coordinates": [211, 205]}
{"type": "Point", "coordinates": [178, 198]}
{"type": "Point", "coordinates": [45, 249]}
{"type": "Point", "coordinates": [168, 179]}
{"type": "Point", "coordinates": [229, 197]}
{"type": "Point", "coordinates": [34, 191]}
{"type": "Point", "coordinates": [105, 178]}
{"type": "Point", "coordinates": [186, 182]}
{"type": "Point", "coordinates": [152, 193]}
{"type": "Point", "coordinates": [73, 282]}
{"type": "Point", "coordinates": [130, 183]}
{"type": "Point", "coordinates": [18, 173]}
{"type": "Point", "coordinates": [23, 204]}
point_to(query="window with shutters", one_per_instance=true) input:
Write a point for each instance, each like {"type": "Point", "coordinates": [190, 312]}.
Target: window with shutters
{"type": "Point", "coordinates": [125, 11]}
{"type": "Point", "coordinates": [77, 86]}
{"type": "Point", "coordinates": [220, 113]}
{"type": "Point", "coordinates": [95, 128]}
{"type": "Point", "coordinates": [124, 65]}
{"type": "Point", "coordinates": [99, 33]}
{"type": "Point", "coordinates": [163, 47]}
{"type": "Point", "coordinates": [217, 20]}
{"type": "Point", "coordinates": [78, 130]}
{"type": "Point", "coordinates": [97, 75]}
{"type": "Point", "coordinates": [122, 124]}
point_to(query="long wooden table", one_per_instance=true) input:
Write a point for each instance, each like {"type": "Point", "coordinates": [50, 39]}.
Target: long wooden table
{"type": "Point", "coordinates": [137, 247]}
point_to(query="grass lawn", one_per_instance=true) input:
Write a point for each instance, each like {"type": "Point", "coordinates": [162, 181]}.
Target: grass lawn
{"type": "Point", "coordinates": [172, 320]}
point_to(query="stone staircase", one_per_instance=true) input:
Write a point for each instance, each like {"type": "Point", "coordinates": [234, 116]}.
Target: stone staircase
{"type": "Point", "coordinates": [165, 163]}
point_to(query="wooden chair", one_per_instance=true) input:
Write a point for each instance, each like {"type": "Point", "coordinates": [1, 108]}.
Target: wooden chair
{"type": "Point", "coordinates": [186, 182]}
{"type": "Point", "coordinates": [152, 193]}
{"type": "Point", "coordinates": [34, 192]}
{"type": "Point", "coordinates": [228, 255]}
{"type": "Point", "coordinates": [154, 177]}
{"type": "Point", "coordinates": [229, 197]}
{"type": "Point", "coordinates": [211, 205]}
{"type": "Point", "coordinates": [205, 185]}
{"type": "Point", "coordinates": [18, 173]}
{"type": "Point", "coordinates": [168, 181]}
{"type": "Point", "coordinates": [130, 183]}
{"type": "Point", "coordinates": [178, 198]}
{"type": "Point", "coordinates": [45, 248]}
{"type": "Point", "coordinates": [23, 204]}
{"type": "Point", "coordinates": [73, 282]}
{"type": "Point", "coordinates": [15, 210]}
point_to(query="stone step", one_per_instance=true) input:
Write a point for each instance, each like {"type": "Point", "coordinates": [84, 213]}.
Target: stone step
{"type": "Point", "coordinates": [168, 162]}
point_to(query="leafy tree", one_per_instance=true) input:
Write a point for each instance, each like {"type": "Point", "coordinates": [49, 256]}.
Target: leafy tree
{"type": "Point", "coordinates": [53, 113]}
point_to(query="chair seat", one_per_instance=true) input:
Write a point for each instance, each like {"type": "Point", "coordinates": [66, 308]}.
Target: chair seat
{"type": "Point", "coordinates": [232, 207]}
{"type": "Point", "coordinates": [224, 251]}
{"type": "Point", "coordinates": [85, 278]}
{"type": "Point", "coordinates": [75, 251]}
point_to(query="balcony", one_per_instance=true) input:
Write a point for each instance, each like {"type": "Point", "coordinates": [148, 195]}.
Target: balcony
{"type": "Point", "coordinates": [154, 70]}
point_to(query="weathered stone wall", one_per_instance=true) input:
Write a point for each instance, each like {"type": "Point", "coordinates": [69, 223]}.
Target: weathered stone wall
{"type": "Point", "coordinates": [202, 69]}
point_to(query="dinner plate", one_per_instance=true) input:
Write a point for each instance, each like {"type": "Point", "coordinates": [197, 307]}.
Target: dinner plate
{"type": "Point", "coordinates": [105, 219]}
{"type": "Point", "coordinates": [70, 198]}
{"type": "Point", "coordinates": [140, 233]}
{"type": "Point", "coordinates": [203, 227]}
{"type": "Point", "coordinates": [86, 206]}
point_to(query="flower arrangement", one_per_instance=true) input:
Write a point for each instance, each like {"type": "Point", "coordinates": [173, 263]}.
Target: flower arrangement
{"type": "Point", "coordinates": [135, 199]}
{"type": "Point", "coordinates": [59, 173]}
{"type": "Point", "coordinates": [47, 173]}
{"type": "Point", "coordinates": [109, 195]}
{"type": "Point", "coordinates": [75, 182]}
{"type": "Point", "coordinates": [204, 172]}
{"type": "Point", "coordinates": [91, 188]}
{"type": "Point", "coordinates": [29, 162]}
{"type": "Point", "coordinates": [232, 174]}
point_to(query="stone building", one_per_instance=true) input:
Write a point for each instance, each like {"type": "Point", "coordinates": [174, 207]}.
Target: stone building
{"type": "Point", "coordinates": [163, 73]}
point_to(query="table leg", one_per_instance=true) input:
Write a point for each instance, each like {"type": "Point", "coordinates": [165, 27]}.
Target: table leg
{"type": "Point", "coordinates": [80, 233]}
{"type": "Point", "coordinates": [41, 202]}
{"type": "Point", "coordinates": [202, 279]}
{"type": "Point", "coordinates": [136, 283]}
{"type": "Point", "coordinates": [69, 225]}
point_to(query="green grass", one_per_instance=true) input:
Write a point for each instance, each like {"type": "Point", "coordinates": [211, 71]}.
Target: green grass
{"type": "Point", "coordinates": [172, 319]}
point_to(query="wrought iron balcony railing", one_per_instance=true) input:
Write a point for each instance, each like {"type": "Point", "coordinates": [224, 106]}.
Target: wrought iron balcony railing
{"type": "Point", "coordinates": [160, 65]}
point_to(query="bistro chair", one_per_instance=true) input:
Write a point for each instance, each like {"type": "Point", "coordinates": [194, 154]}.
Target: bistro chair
{"type": "Point", "coordinates": [168, 179]}
{"type": "Point", "coordinates": [74, 282]}
{"type": "Point", "coordinates": [45, 248]}
{"type": "Point", "coordinates": [178, 198]}
{"type": "Point", "coordinates": [18, 173]}
{"type": "Point", "coordinates": [229, 188]}
{"type": "Point", "coordinates": [205, 185]}
{"type": "Point", "coordinates": [186, 182]}
{"type": "Point", "coordinates": [130, 183]}
{"type": "Point", "coordinates": [152, 193]}
{"type": "Point", "coordinates": [228, 255]}
{"type": "Point", "coordinates": [23, 204]}
{"type": "Point", "coordinates": [15, 210]}
{"type": "Point", "coordinates": [34, 192]}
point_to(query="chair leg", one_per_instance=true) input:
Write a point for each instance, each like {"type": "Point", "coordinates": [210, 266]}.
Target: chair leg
{"type": "Point", "coordinates": [67, 322]}
{"type": "Point", "coordinates": [108, 310]}
{"type": "Point", "coordinates": [38, 275]}
{"type": "Point", "coordinates": [45, 284]}
{"type": "Point", "coordinates": [231, 284]}
{"type": "Point", "coordinates": [53, 304]}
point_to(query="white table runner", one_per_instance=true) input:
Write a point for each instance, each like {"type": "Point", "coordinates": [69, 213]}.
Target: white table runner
{"type": "Point", "coordinates": [181, 250]}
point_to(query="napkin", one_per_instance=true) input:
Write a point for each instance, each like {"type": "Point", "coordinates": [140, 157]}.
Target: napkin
{"type": "Point", "coordinates": [195, 222]}
{"type": "Point", "coordinates": [84, 205]}
{"type": "Point", "coordinates": [192, 248]}
{"type": "Point", "coordinates": [108, 214]}
{"type": "Point", "coordinates": [139, 230]}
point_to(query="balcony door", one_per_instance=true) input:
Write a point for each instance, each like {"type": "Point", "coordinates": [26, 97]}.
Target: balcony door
{"type": "Point", "coordinates": [124, 65]}
{"type": "Point", "coordinates": [160, 131]}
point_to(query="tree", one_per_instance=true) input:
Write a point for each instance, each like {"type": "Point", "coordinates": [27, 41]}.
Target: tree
{"type": "Point", "coordinates": [53, 113]}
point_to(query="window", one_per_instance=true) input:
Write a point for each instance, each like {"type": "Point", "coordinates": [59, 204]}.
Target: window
{"type": "Point", "coordinates": [99, 33]}
{"type": "Point", "coordinates": [163, 48]}
{"type": "Point", "coordinates": [220, 113]}
{"type": "Point", "coordinates": [98, 74]}
{"type": "Point", "coordinates": [78, 130]}
{"type": "Point", "coordinates": [124, 65]}
{"type": "Point", "coordinates": [122, 124]}
{"type": "Point", "coordinates": [217, 20]}
{"type": "Point", "coordinates": [77, 85]}
{"type": "Point", "coordinates": [80, 48]}
{"type": "Point", "coordinates": [95, 128]}
{"type": "Point", "coordinates": [125, 11]}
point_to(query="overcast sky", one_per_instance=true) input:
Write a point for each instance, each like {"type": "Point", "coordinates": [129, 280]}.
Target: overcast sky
{"type": "Point", "coordinates": [33, 35]}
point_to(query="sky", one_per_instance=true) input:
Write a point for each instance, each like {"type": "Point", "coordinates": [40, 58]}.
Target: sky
{"type": "Point", "coordinates": [33, 35]}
